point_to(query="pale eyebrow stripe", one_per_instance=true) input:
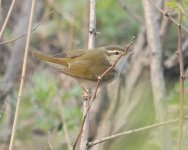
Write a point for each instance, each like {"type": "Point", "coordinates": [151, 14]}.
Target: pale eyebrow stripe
{"type": "Point", "coordinates": [111, 52]}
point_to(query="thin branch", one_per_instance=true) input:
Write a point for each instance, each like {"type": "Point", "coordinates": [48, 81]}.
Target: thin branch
{"type": "Point", "coordinates": [86, 103]}
{"type": "Point", "coordinates": [49, 141]}
{"type": "Point", "coordinates": [166, 14]}
{"type": "Point", "coordinates": [24, 34]}
{"type": "Point", "coordinates": [181, 80]}
{"type": "Point", "coordinates": [172, 60]}
{"type": "Point", "coordinates": [92, 24]}
{"type": "Point", "coordinates": [7, 18]}
{"type": "Point", "coordinates": [133, 131]}
{"type": "Point", "coordinates": [22, 76]}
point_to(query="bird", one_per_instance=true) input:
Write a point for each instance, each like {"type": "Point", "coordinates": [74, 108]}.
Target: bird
{"type": "Point", "coordinates": [88, 65]}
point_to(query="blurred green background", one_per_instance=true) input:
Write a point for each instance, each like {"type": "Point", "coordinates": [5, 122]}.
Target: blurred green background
{"type": "Point", "coordinates": [51, 102]}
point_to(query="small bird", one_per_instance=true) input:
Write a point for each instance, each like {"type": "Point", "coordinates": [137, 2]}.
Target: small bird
{"type": "Point", "coordinates": [86, 66]}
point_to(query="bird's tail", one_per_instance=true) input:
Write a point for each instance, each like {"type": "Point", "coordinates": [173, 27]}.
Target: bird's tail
{"type": "Point", "coordinates": [50, 59]}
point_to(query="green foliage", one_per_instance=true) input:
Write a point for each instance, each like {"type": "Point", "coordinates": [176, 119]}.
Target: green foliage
{"type": "Point", "coordinates": [38, 97]}
{"type": "Point", "coordinates": [40, 108]}
{"type": "Point", "coordinates": [39, 102]}
{"type": "Point", "coordinates": [113, 22]}
{"type": "Point", "coordinates": [44, 86]}
{"type": "Point", "coordinates": [172, 4]}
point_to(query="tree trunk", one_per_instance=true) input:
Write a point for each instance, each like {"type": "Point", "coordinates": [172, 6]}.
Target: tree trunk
{"type": "Point", "coordinates": [157, 76]}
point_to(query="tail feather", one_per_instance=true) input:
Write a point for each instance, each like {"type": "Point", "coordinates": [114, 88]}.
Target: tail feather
{"type": "Point", "coordinates": [51, 59]}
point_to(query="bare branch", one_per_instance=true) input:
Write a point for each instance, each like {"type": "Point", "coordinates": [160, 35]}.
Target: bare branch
{"type": "Point", "coordinates": [172, 60]}
{"type": "Point", "coordinates": [7, 18]}
{"type": "Point", "coordinates": [166, 14]}
{"type": "Point", "coordinates": [181, 80]}
{"type": "Point", "coordinates": [133, 131]}
{"type": "Point", "coordinates": [24, 34]}
{"type": "Point", "coordinates": [92, 24]}
{"type": "Point", "coordinates": [84, 132]}
{"type": "Point", "coordinates": [22, 76]}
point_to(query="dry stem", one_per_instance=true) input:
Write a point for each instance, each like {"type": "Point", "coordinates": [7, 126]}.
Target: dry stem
{"type": "Point", "coordinates": [86, 103]}
{"type": "Point", "coordinates": [22, 76]}
{"type": "Point", "coordinates": [132, 131]}
{"type": "Point", "coordinates": [7, 18]}
{"type": "Point", "coordinates": [24, 34]}
{"type": "Point", "coordinates": [181, 80]}
{"type": "Point", "coordinates": [166, 14]}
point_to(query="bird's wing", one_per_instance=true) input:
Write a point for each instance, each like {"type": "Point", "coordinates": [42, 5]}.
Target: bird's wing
{"type": "Point", "coordinates": [70, 54]}
{"type": "Point", "coordinates": [82, 52]}
{"type": "Point", "coordinates": [89, 67]}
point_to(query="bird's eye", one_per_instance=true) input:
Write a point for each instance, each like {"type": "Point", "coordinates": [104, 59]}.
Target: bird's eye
{"type": "Point", "coordinates": [116, 53]}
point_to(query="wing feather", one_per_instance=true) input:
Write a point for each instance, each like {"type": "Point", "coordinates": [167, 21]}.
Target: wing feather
{"type": "Point", "coordinates": [89, 66]}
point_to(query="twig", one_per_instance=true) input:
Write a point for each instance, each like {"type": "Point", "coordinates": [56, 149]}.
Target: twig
{"type": "Point", "coordinates": [166, 14]}
{"type": "Point", "coordinates": [172, 60]}
{"type": "Point", "coordinates": [24, 34]}
{"type": "Point", "coordinates": [7, 18]}
{"type": "Point", "coordinates": [22, 76]}
{"type": "Point", "coordinates": [97, 86]}
{"type": "Point", "coordinates": [49, 141]}
{"type": "Point", "coordinates": [181, 80]}
{"type": "Point", "coordinates": [132, 131]}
